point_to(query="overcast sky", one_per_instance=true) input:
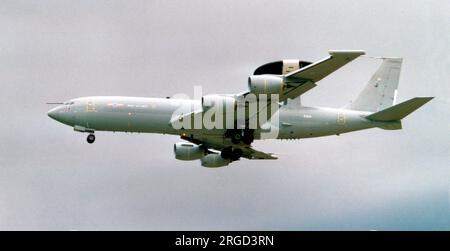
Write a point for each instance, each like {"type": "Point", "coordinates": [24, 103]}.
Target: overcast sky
{"type": "Point", "coordinates": [50, 178]}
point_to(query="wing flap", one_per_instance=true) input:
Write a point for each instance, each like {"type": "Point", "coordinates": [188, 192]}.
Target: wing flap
{"type": "Point", "coordinates": [297, 91]}
{"type": "Point", "coordinates": [250, 153]}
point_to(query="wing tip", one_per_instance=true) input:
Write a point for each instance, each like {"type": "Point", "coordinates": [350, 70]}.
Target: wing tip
{"type": "Point", "coordinates": [394, 59]}
{"type": "Point", "coordinates": [346, 52]}
{"type": "Point", "coordinates": [424, 99]}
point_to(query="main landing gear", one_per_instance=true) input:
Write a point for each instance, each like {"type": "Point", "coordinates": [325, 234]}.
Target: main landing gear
{"type": "Point", "coordinates": [237, 136]}
{"type": "Point", "coordinates": [90, 138]}
{"type": "Point", "coordinates": [230, 153]}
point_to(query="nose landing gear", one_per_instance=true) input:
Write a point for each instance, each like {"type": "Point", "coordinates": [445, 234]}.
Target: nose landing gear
{"type": "Point", "coordinates": [90, 138]}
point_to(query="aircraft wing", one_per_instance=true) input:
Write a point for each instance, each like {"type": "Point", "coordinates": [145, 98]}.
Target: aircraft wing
{"type": "Point", "coordinates": [215, 143]}
{"type": "Point", "coordinates": [319, 70]}
{"type": "Point", "coordinates": [303, 79]}
{"type": "Point", "coordinates": [250, 153]}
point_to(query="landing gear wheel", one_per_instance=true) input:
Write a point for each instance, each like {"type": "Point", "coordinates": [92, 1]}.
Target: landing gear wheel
{"type": "Point", "coordinates": [248, 139]}
{"type": "Point", "coordinates": [226, 153]}
{"type": "Point", "coordinates": [236, 137]}
{"type": "Point", "coordinates": [248, 136]}
{"type": "Point", "coordinates": [232, 154]}
{"type": "Point", "coordinates": [90, 138]}
{"type": "Point", "coordinates": [237, 153]}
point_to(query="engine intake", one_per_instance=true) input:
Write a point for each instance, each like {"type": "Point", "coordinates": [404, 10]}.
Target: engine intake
{"type": "Point", "coordinates": [266, 84]}
{"type": "Point", "coordinates": [187, 151]}
{"type": "Point", "coordinates": [214, 160]}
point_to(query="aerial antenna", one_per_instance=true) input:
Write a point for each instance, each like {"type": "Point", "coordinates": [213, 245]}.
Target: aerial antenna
{"type": "Point", "coordinates": [54, 103]}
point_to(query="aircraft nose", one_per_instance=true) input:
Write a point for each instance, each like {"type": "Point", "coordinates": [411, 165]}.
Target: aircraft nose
{"type": "Point", "coordinates": [53, 113]}
{"type": "Point", "coordinates": [62, 114]}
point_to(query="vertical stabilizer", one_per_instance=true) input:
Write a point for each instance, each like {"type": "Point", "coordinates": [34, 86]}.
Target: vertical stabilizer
{"type": "Point", "coordinates": [381, 90]}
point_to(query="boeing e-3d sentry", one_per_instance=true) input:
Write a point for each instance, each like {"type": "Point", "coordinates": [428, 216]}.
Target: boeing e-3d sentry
{"type": "Point", "coordinates": [220, 129]}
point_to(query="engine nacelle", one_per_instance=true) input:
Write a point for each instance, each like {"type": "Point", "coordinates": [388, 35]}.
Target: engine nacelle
{"type": "Point", "coordinates": [214, 160]}
{"type": "Point", "coordinates": [266, 84]}
{"type": "Point", "coordinates": [224, 103]}
{"type": "Point", "coordinates": [187, 151]}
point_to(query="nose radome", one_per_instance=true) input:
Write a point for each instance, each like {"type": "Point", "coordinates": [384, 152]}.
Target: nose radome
{"type": "Point", "coordinates": [53, 113]}
{"type": "Point", "coordinates": [61, 114]}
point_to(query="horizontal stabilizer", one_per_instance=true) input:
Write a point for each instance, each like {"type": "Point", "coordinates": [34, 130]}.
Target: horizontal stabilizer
{"type": "Point", "coordinates": [398, 112]}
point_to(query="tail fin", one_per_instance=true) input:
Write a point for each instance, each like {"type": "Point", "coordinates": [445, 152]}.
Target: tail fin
{"type": "Point", "coordinates": [381, 90]}
{"type": "Point", "coordinates": [398, 112]}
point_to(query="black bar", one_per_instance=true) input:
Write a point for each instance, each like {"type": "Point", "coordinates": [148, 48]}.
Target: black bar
{"type": "Point", "coordinates": [222, 240]}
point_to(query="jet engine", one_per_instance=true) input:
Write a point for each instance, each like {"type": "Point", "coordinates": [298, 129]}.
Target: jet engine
{"type": "Point", "coordinates": [225, 102]}
{"type": "Point", "coordinates": [187, 151]}
{"type": "Point", "coordinates": [266, 84]}
{"type": "Point", "coordinates": [267, 78]}
{"type": "Point", "coordinates": [214, 160]}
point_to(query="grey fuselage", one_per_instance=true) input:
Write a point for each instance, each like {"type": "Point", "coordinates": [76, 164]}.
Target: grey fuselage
{"type": "Point", "coordinates": [153, 115]}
